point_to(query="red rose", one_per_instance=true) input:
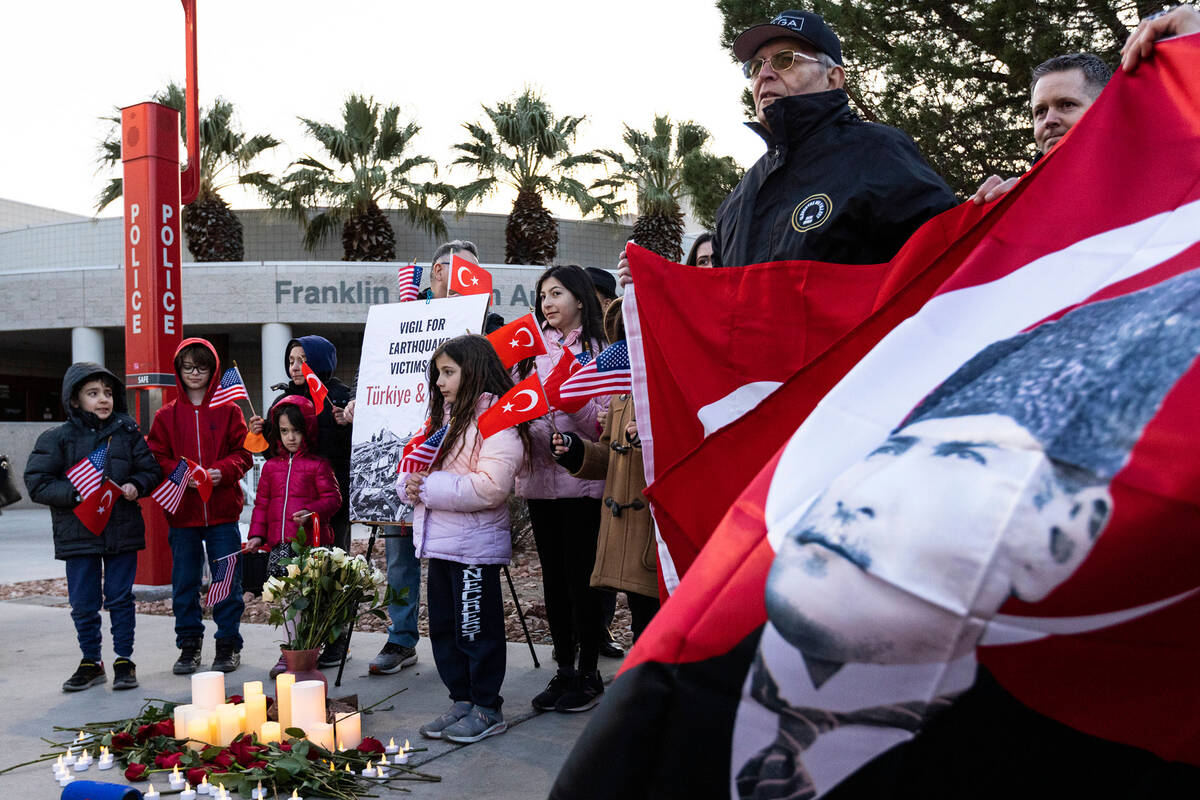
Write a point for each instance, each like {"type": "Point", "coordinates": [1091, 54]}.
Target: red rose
{"type": "Point", "coordinates": [168, 760]}
{"type": "Point", "coordinates": [256, 765]}
{"type": "Point", "coordinates": [135, 772]}
{"type": "Point", "coordinates": [194, 776]}
{"type": "Point", "coordinates": [165, 728]}
{"type": "Point", "coordinates": [144, 732]}
{"type": "Point", "coordinates": [286, 747]}
{"type": "Point", "coordinates": [235, 698]}
{"type": "Point", "coordinates": [370, 744]}
{"type": "Point", "coordinates": [224, 760]}
{"type": "Point", "coordinates": [314, 752]}
{"type": "Point", "coordinates": [121, 741]}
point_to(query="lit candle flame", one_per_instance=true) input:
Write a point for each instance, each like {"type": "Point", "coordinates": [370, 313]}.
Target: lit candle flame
{"type": "Point", "coordinates": [348, 768]}
{"type": "Point", "coordinates": [60, 760]}
{"type": "Point", "coordinates": [294, 795]}
{"type": "Point", "coordinates": [175, 772]}
{"type": "Point", "coordinates": [407, 746]}
{"type": "Point", "coordinates": [81, 736]}
{"type": "Point", "coordinates": [341, 745]}
{"type": "Point", "coordinates": [187, 787]}
{"type": "Point", "coordinates": [260, 786]}
{"type": "Point", "coordinates": [204, 781]}
{"type": "Point", "coordinates": [392, 742]}
{"type": "Point", "coordinates": [103, 751]}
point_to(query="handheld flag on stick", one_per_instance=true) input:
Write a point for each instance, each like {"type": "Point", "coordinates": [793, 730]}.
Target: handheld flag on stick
{"type": "Point", "coordinates": [567, 366]}
{"type": "Point", "coordinates": [421, 451]}
{"type": "Point", "coordinates": [204, 484]}
{"type": "Point", "coordinates": [468, 278]}
{"type": "Point", "coordinates": [518, 340]}
{"type": "Point", "coordinates": [97, 493]}
{"type": "Point", "coordinates": [222, 578]}
{"type": "Point", "coordinates": [409, 278]}
{"type": "Point", "coordinates": [170, 491]}
{"type": "Point", "coordinates": [523, 402]}
{"type": "Point", "coordinates": [608, 374]}
{"type": "Point", "coordinates": [315, 388]}
{"type": "Point", "coordinates": [231, 389]}
{"type": "Point", "coordinates": [88, 474]}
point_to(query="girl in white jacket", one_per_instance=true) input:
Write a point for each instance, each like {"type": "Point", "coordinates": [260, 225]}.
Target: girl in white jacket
{"type": "Point", "coordinates": [460, 524]}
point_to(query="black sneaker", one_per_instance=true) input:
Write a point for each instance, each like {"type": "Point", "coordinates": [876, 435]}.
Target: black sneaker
{"type": "Point", "coordinates": [124, 674]}
{"type": "Point", "coordinates": [331, 654]}
{"type": "Point", "coordinates": [189, 657]}
{"type": "Point", "coordinates": [88, 674]}
{"type": "Point", "coordinates": [558, 686]}
{"type": "Point", "coordinates": [228, 659]}
{"type": "Point", "coordinates": [392, 658]}
{"type": "Point", "coordinates": [583, 694]}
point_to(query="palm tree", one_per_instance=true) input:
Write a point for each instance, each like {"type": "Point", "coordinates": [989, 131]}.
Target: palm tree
{"type": "Point", "coordinates": [662, 177]}
{"type": "Point", "coordinates": [214, 233]}
{"type": "Point", "coordinates": [530, 151]}
{"type": "Point", "coordinates": [370, 167]}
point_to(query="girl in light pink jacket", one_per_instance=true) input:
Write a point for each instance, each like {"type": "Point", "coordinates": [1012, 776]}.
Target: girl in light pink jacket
{"type": "Point", "coordinates": [460, 524]}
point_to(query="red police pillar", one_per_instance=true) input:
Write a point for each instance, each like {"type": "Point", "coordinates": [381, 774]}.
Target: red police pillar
{"type": "Point", "coordinates": [153, 311]}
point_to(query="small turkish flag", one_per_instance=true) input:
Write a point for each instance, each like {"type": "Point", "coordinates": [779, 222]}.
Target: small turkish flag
{"type": "Point", "coordinates": [204, 484]}
{"type": "Point", "coordinates": [518, 340]}
{"type": "Point", "coordinates": [523, 402]}
{"type": "Point", "coordinates": [567, 366]}
{"type": "Point", "coordinates": [316, 389]}
{"type": "Point", "coordinates": [97, 507]}
{"type": "Point", "coordinates": [468, 278]}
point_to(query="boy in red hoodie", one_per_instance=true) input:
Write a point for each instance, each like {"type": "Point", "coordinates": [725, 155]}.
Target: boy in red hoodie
{"type": "Point", "coordinates": [213, 438]}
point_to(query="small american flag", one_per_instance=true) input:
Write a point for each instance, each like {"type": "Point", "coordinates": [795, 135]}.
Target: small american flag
{"type": "Point", "coordinates": [88, 474]}
{"type": "Point", "coordinates": [608, 374]}
{"type": "Point", "coordinates": [170, 492]}
{"type": "Point", "coordinates": [230, 389]}
{"type": "Point", "coordinates": [222, 578]}
{"type": "Point", "coordinates": [424, 453]}
{"type": "Point", "coordinates": [409, 277]}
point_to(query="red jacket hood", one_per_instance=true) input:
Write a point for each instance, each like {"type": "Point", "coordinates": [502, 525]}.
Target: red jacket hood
{"type": "Point", "coordinates": [310, 421]}
{"type": "Point", "coordinates": [213, 380]}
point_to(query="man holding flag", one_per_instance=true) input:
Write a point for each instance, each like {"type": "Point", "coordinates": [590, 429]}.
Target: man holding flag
{"type": "Point", "coordinates": [875, 622]}
{"type": "Point", "coordinates": [90, 471]}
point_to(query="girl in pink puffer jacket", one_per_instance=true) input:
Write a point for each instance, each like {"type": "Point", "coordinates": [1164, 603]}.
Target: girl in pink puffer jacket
{"type": "Point", "coordinates": [460, 524]}
{"type": "Point", "coordinates": [295, 485]}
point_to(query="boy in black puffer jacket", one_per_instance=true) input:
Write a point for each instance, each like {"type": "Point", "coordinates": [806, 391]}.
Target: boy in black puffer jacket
{"type": "Point", "coordinates": [100, 568]}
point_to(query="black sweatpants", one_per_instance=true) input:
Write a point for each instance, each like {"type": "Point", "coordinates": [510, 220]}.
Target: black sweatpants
{"type": "Point", "coordinates": [466, 630]}
{"type": "Point", "coordinates": [565, 531]}
{"type": "Point", "coordinates": [641, 610]}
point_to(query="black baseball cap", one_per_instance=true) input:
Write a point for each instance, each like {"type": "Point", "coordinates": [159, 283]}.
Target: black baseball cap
{"type": "Point", "coordinates": [792, 24]}
{"type": "Point", "coordinates": [603, 280]}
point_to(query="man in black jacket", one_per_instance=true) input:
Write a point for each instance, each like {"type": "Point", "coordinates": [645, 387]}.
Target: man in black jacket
{"type": "Point", "coordinates": [830, 187]}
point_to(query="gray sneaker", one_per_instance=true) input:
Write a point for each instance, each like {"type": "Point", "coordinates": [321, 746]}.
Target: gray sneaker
{"type": "Point", "coordinates": [433, 730]}
{"type": "Point", "coordinates": [392, 658]}
{"type": "Point", "coordinates": [479, 724]}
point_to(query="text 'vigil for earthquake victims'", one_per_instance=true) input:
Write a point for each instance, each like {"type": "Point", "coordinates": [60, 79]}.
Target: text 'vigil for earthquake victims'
{"type": "Point", "coordinates": [395, 396]}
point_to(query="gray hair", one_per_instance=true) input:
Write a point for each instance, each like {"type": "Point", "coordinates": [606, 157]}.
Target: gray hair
{"type": "Point", "coordinates": [454, 247]}
{"type": "Point", "coordinates": [1095, 72]}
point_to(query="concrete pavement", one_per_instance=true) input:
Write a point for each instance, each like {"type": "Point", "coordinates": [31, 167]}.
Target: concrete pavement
{"type": "Point", "coordinates": [39, 652]}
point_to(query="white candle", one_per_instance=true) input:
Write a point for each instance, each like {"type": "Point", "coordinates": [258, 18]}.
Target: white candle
{"type": "Point", "coordinates": [188, 792]}
{"type": "Point", "coordinates": [296, 796]}
{"type": "Point", "coordinates": [401, 758]}
{"type": "Point", "coordinates": [308, 705]}
{"type": "Point", "coordinates": [269, 732]}
{"type": "Point", "coordinates": [258, 794]}
{"type": "Point", "coordinates": [151, 794]}
{"type": "Point", "coordinates": [392, 748]}
{"type": "Point", "coordinates": [208, 689]}
{"type": "Point", "coordinates": [382, 768]}
{"type": "Point", "coordinates": [256, 713]}
{"type": "Point", "coordinates": [106, 761]}
{"type": "Point", "coordinates": [176, 780]}
{"type": "Point", "coordinates": [283, 698]}
{"type": "Point", "coordinates": [205, 787]}
{"type": "Point", "coordinates": [349, 729]}
{"type": "Point", "coordinates": [228, 725]}
{"type": "Point", "coordinates": [221, 794]}
{"type": "Point", "coordinates": [181, 718]}
{"type": "Point", "coordinates": [59, 766]}
{"type": "Point", "coordinates": [198, 730]}
{"type": "Point", "coordinates": [320, 734]}
{"type": "Point", "coordinates": [85, 758]}
{"type": "Point", "coordinates": [65, 779]}
{"type": "Point", "coordinates": [251, 688]}
{"type": "Point", "coordinates": [368, 771]}
{"type": "Point", "coordinates": [69, 758]}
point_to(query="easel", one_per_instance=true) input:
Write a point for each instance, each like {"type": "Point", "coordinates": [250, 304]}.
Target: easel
{"type": "Point", "coordinates": [375, 534]}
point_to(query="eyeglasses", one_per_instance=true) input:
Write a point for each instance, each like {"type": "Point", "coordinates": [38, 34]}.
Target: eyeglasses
{"type": "Point", "coordinates": [780, 62]}
{"type": "Point", "coordinates": [195, 368]}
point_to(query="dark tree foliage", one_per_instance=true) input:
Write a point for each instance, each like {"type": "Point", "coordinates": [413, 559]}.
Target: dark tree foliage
{"type": "Point", "coordinates": [955, 75]}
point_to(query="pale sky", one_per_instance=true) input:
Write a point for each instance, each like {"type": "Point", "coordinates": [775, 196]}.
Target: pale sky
{"type": "Point", "coordinates": [66, 64]}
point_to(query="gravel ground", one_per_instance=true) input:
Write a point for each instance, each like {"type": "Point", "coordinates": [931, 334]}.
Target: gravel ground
{"type": "Point", "coordinates": [526, 573]}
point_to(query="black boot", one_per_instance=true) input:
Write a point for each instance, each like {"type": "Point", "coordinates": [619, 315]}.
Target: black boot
{"type": "Point", "coordinates": [331, 655]}
{"type": "Point", "coordinates": [189, 657]}
{"type": "Point", "coordinates": [228, 657]}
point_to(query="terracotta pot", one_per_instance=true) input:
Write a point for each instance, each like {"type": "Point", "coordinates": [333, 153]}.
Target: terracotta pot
{"type": "Point", "coordinates": [303, 664]}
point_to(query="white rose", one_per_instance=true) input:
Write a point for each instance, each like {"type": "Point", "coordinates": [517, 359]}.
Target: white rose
{"type": "Point", "coordinates": [268, 595]}
{"type": "Point", "coordinates": [292, 570]}
{"type": "Point", "coordinates": [338, 556]}
{"type": "Point", "coordinates": [378, 577]}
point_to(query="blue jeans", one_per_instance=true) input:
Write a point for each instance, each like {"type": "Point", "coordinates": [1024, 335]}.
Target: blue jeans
{"type": "Point", "coordinates": [85, 574]}
{"type": "Point", "coordinates": [187, 553]}
{"type": "Point", "coordinates": [403, 572]}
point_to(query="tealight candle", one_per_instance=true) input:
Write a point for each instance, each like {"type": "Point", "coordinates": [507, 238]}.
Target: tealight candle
{"type": "Point", "coordinates": [84, 758]}
{"type": "Point", "coordinates": [69, 758]}
{"type": "Point", "coordinates": [259, 793]}
{"type": "Point", "coordinates": [382, 768]}
{"type": "Point", "coordinates": [296, 796]}
{"type": "Point", "coordinates": [221, 793]}
{"type": "Point", "coordinates": [368, 771]}
{"type": "Point", "coordinates": [106, 761]}
{"type": "Point", "coordinates": [188, 792]}
{"type": "Point", "coordinates": [392, 748]}
{"type": "Point", "coordinates": [65, 779]}
{"type": "Point", "coordinates": [59, 766]}
{"type": "Point", "coordinates": [176, 780]}
{"type": "Point", "coordinates": [151, 794]}
{"type": "Point", "coordinates": [205, 787]}
{"type": "Point", "coordinates": [400, 758]}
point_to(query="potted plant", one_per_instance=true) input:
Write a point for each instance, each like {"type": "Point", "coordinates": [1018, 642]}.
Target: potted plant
{"type": "Point", "coordinates": [324, 591]}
